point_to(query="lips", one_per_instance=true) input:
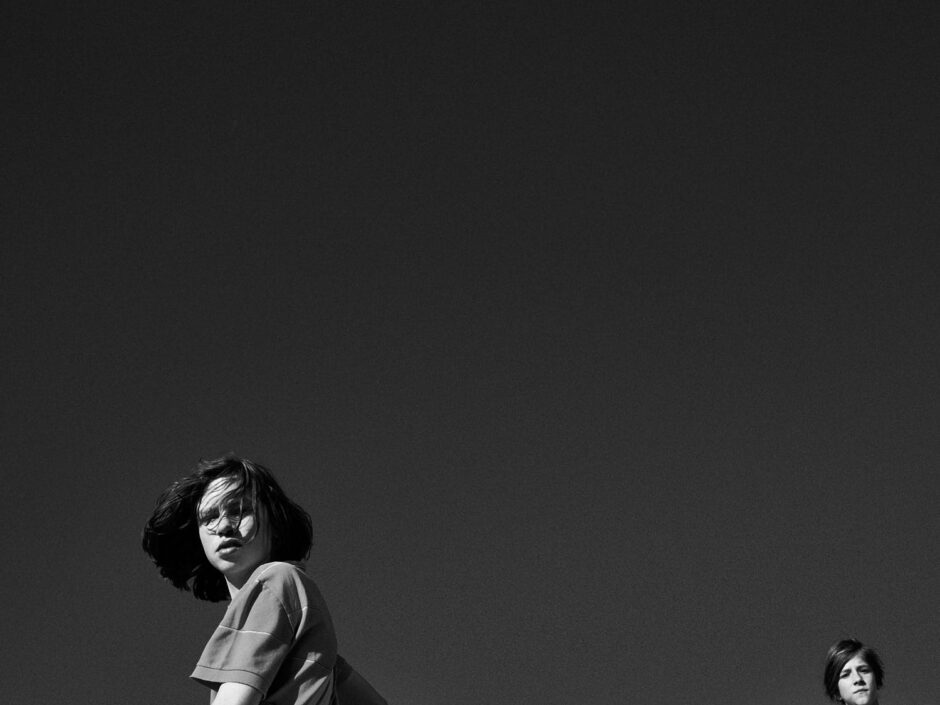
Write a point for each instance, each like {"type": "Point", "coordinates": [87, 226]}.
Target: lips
{"type": "Point", "coordinates": [229, 543]}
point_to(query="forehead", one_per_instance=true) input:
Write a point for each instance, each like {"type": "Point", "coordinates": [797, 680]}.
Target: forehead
{"type": "Point", "coordinates": [854, 662]}
{"type": "Point", "coordinates": [218, 491]}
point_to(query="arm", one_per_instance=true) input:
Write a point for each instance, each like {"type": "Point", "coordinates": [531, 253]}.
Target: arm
{"type": "Point", "coordinates": [235, 694]}
{"type": "Point", "coordinates": [246, 651]}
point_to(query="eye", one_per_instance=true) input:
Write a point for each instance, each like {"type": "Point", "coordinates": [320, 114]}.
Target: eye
{"type": "Point", "coordinates": [238, 509]}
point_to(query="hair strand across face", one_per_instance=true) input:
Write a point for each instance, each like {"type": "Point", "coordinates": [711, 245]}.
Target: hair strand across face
{"type": "Point", "coordinates": [171, 536]}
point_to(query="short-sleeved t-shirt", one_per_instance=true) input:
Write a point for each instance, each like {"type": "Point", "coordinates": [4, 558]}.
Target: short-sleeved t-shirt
{"type": "Point", "coordinates": [277, 637]}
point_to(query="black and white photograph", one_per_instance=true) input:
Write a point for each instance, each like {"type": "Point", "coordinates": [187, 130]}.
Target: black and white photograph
{"type": "Point", "coordinates": [425, 353]}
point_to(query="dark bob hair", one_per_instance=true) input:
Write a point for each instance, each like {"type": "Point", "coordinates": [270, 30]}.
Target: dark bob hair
{"type": "Point", "coordinates": [171, 536]}
{"type": "Point", "coordinates": [840, 654]}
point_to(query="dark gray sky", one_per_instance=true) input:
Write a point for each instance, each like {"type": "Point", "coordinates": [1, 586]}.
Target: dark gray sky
{"type": "Point", "coordinates": [600, 342]}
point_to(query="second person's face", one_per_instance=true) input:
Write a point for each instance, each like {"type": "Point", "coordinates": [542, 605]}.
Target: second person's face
{"type": "Point", "coordinates": [857, 683]}
{"type": "Point", "coordinates": [236, 539]}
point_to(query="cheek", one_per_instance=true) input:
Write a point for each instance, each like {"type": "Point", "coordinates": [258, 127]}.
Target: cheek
{"type": "Point", "coordinates": [204, 540]}
{"type": "Point", "coordinates": [248, 528]}
{"type": "Point", "coordinates": [261, 536]}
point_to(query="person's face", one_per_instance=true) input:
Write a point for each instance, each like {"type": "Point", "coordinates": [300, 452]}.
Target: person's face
{"type": "Point", "coordinates": [857, 683]}
{"type": "Point", "coordinates": [236, 540]}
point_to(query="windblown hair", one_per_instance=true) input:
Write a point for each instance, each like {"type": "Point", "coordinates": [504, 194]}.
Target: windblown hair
{"type": "Point", "coordinates": [171, 535]}
{"type": "Point", "coordinates": [840, 654]}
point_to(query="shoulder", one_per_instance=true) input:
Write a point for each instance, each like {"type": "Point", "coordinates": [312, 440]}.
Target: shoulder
{"type": "Point", "coordinates": [288, 581]}
{"type": "Point", "coordinates": [277, 571]}
{"type": "Point", "coordinates": [282, 591]}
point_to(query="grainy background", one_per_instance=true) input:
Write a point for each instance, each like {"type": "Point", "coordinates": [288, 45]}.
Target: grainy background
{"type": "Point", "coordinates": [599, 339]}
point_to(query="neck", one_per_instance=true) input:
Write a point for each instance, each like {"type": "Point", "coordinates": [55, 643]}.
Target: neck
{"type": "Point", "coordinates": [236, 582]}
{"type": "Point", "coordinates": [232, 589]}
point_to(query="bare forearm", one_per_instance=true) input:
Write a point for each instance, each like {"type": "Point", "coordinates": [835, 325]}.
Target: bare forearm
{"type": "Point", "coordinates": [235, 694]}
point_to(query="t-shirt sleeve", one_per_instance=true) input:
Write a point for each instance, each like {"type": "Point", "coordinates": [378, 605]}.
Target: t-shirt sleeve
{"type": "Point", "coordinates": [252, 640]}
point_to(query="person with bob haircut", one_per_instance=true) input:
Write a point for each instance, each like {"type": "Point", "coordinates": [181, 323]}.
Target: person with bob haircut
{"type": "Point", "coordinates": [854, 674]}
{"type": "Point", "coordinates": [227, 531]}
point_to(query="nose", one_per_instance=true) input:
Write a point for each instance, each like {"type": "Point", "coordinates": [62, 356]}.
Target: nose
{"type": "Point", "coordinates": [226, 527]}
{"type": "Point", "coordinates": [859, 678]}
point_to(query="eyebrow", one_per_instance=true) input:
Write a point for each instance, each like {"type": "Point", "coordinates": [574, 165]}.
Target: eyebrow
{"type": "Point", "coordinates": [227, 500]}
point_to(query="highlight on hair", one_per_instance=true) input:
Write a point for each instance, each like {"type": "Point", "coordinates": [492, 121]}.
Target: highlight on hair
{"type": "Point", "coordinates": [171, 535]}
{"type": "Point", "coordinates": [840, 654]}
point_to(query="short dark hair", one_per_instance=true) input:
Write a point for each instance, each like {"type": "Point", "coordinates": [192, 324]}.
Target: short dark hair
{"type": "Point", "coordinates": [840, 654]}
{"type": "Point", "coordinates": [171, 535]}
